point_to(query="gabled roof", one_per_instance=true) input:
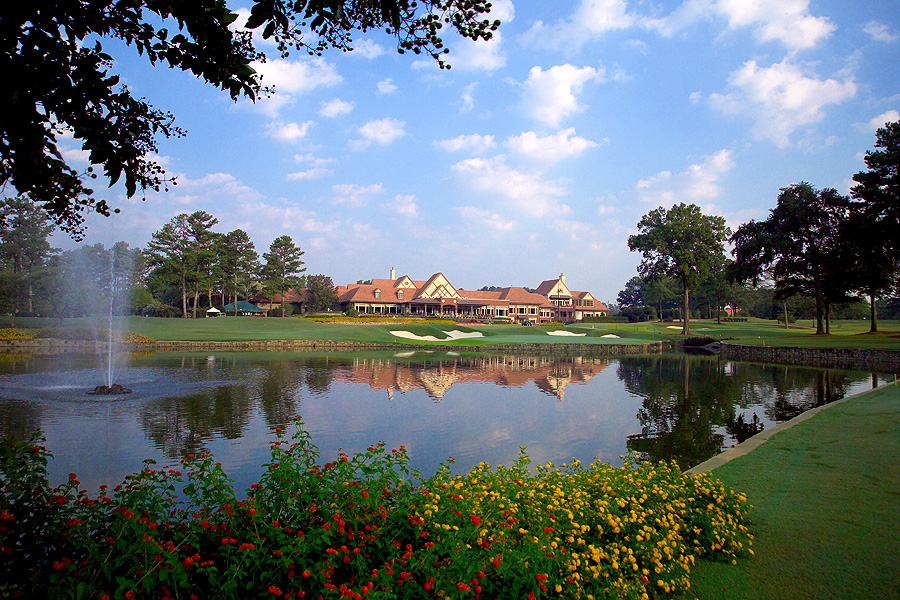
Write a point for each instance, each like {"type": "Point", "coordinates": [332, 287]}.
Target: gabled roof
{"type": "Point", "coordinates": [549, 287]}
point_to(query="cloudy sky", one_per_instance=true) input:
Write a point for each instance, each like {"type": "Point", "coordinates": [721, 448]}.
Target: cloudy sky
{"type": "Point", "coordinates": [540, 150]}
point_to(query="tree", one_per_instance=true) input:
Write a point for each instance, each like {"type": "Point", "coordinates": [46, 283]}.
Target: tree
{"type": "Point", "coordinates": [239, 260]}
{"type": "Point", "coordinates": [320, 293]}
{"type": "Point", "coordinates": [24, 248]}
{"type": "Point", "coordinates": [282, 266]}
{"type": "Point", "coordinates": [633, 294]}
{"type": "Point", "coordinates": [59, 80]}
{"type": "Point", "coordinates": [681, 243]}
{"type": "Point", "coordinates": [800, 244]}
{"type": "Point", "coordinates": [170, 249]}
{"type": "Point", "coordinates": [875, 218]}
{"type": "Point", "coordinates": [203, 251]}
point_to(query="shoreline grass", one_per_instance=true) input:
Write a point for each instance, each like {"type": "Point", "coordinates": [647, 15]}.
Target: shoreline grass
{"type": "Point", "coordinates": [825, 514]}
{"type": "Point", "coordinates": [845, 334]}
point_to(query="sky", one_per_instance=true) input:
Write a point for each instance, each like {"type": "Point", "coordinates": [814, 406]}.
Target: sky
{"type": "Point", "coordinates": [538, 152]}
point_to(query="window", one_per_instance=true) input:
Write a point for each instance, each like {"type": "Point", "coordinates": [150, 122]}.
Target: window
{"type": "Point", "coordinates": [400, 295]}
{"type": "Point", "coordinates": [378, 294]}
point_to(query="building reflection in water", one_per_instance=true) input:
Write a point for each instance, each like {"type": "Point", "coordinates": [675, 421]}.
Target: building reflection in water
{"type": "Point", "coordinates": [551, 375]}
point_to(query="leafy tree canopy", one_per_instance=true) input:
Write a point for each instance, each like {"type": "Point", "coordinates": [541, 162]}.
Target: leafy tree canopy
{"type": "Point", "coordinates": [681, 243]}
{"type": "Point", "coordinates": [801, 244]}
{"type": "Point", "coordinates": [59, 81]}
{"type": "Point", "coordinates": [320, 293]}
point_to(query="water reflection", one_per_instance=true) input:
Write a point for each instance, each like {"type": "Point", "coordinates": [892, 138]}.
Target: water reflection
{"type": "Point", "coordinates": [473, 408]}
{"type": "Point", "coordinates": [693, 404]}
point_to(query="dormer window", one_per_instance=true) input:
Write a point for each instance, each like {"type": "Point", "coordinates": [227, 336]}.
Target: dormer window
{"type": "Point", "coordinates": [378, 294]}
{"type": "Point", "coordinates": [400, 295]}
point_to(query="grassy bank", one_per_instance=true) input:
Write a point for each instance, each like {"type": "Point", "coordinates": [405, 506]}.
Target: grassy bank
{"type": "Point", "coordinates": [825, 495]}
{"type": "Point", "coordinates": [845, 334]}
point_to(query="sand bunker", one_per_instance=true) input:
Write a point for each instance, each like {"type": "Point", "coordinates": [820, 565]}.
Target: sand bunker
{"type": "Point", "coordinates": [610, 335]}
{"type": "Point", "coordinates": [451, 335]}
{"type": "Point", "coordinates": [674, 327]}
{"type": "Point", "coordinates": [566, 333]}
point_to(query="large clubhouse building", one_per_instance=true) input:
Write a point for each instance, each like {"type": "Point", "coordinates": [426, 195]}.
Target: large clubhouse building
{"type": "Point", "coordinates": [551, 301]}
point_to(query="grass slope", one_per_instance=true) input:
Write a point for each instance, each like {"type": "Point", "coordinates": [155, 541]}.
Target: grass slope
{"type": "Point", "coordinates": [826, 494]}
{"type": "Point", "coordinates": [845, 334]}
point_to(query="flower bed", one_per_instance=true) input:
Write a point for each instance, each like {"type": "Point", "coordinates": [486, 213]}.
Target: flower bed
{"type": "Point", "coordinates": [362, 526]}
{"type": "Point", "coordinates": [12, 333]}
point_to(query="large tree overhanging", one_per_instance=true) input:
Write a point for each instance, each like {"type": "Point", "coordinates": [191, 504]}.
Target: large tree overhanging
{"type": "Point", "coordinates": [681, 243]}
{"type": "Point", "coordinates": [802, 246]}
{"type": "Point", "coordinates": [59, 81]}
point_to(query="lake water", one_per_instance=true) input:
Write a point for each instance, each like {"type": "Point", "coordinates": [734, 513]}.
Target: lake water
{"type": "Point", "coordinates": [438, 404]}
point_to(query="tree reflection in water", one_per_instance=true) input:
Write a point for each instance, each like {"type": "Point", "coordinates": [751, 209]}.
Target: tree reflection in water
{"type": "Point", "coordinates": [472, 407]}
{"type": "Point", "coordinates": [690, 402]}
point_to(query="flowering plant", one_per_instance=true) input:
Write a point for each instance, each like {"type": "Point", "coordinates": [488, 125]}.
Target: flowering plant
{"type": "Point", "coordinates": [363, 526]}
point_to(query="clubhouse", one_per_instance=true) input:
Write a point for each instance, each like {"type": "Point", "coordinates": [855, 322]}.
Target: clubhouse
{"type": "Point", "coordinates": [436, 296]}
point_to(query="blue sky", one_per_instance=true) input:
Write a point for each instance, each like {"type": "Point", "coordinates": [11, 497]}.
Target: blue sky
{"type": "Point", "coordinates": [539, 151]}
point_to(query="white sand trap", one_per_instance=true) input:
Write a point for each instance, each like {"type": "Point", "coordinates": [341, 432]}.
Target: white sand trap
{"type": "Point", "coordinates": [403, 354]}
{"type": "Point", "coordinates": [674, 327]}
{"type": "Point", "coordinates": [610, 335]}
{"type": "Point", "coordinates": [566, 333]}
{"type": "Point", "coordinates": [451, 335]}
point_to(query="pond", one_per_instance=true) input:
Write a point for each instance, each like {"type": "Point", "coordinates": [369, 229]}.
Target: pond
{"type": "Point", "coordinates": [438, 404]}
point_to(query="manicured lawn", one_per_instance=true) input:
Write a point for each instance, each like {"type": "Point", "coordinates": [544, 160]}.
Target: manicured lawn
{"type": "Point", "coordinates": [845, 334]}
{"type": "Point", "coordinates": [825, 495]}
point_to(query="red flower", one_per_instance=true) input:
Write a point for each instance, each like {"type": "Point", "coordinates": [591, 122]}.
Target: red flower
{"type": "Point", "coordinates": [476, 520]}
{"type": "Point", "coordinates": [274, 590]}
{"type": "Point", "coordinates": [462, 586]}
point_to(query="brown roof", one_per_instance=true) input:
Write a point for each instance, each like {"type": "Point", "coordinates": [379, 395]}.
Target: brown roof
{"type": "Point", "coordinates": [366, 293]}
{"type": "Point", "coordinates": [547, 287]}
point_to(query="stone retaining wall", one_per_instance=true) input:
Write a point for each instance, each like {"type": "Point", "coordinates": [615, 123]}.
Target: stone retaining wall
{"type": "Point", "coordinates": [885, 361]}
{"type": "Point", "coordinates": [51, 347]}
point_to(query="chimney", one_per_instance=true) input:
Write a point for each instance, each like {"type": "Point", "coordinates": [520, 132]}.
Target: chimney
{"type": "Point", "coordinates": [393, 275]}
{"type": "Point", "coordinates": [562, 278]}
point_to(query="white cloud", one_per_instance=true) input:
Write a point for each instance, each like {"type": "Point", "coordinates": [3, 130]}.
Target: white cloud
{"type": "Point", "coordinates": [216, 188]}
{"type": "Point", "coordinates": [549, 149]}
{"type": "Point", "coordinates": [298, 77]}
{"type": "Point", "coordinates": [591, 19]}
{"type": "Point", "coordinates": [355, 195]}
{"type": "Point", "coordinates": [550, 96]}
{"type": "Point", "coordinates": [468, 96]}
{"type": "Point", "coordinates": [293, 78]}
{"type": "Point", "coordinates": [335, 108]}
{"type": "Point", "coordinates": [521, 192]}
{"type": "Point", "coordinates": [786, 21]}
{"type": "Point", "coordinates": [368, 49]}
{"type": "Point", "coordinates": [481, 55]}
{"type": "Point", "coordinates": [474, 143]}
{"type": "Point", "coordinates": [698, 182]}
{"type": "Point", "coordinates": [386, 86]}
{"type": "Point", "coordinates": [404, 205]}
{"type": "Point", "coordinates": [880, 32]}
{"type": "Point", "coordinates": [503, 10]}
{"type": "Point", "coordinates": [780, 99]}
{"type": "Point", "coordinates": [76, 156]}
{"type": "Point", "coordinates": [288, 132]}
{"type": "Point", "coordinates": [309, 174]}
{"type": "Point", "coordinates": [485, 217]}
{"type": "Point", "coordinates": [880, 121]}
{"type": "Point", "coordinates": [380, 131]}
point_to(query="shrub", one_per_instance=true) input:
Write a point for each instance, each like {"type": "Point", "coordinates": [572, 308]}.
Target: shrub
{"type": "Point", "coordinates": [636, 314]}
{"type": "Point", "coordinates": [12, 333]}
{"type": "Point", "coordinates": [362, 526]}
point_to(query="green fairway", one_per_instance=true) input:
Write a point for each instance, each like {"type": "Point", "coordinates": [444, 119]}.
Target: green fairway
{"type": "Point", "coordinates": [826, 494]}
{"type": "Point", "coordinates": [845, 334]}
